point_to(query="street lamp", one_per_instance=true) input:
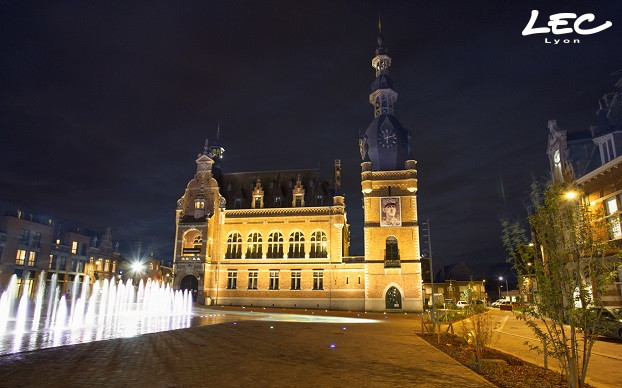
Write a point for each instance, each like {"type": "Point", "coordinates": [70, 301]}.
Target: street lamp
{"type": "Point", "coordinates": [507, 290]}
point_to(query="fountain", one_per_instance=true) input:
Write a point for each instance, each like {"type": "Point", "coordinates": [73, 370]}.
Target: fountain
{"type": "Point", "coordinates": [93, 311]}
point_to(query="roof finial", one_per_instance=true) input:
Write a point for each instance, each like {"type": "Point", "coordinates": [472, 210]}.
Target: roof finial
{"type": "Point", "coordinates": [379, 24]}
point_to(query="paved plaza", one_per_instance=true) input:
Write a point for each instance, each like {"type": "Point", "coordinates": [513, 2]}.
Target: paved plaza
{"type": "Point", "coordinates": [249, 352]}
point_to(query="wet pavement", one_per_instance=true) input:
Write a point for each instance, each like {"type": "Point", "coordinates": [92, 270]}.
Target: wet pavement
{"type": "Point", "coordinates": [259, 348]}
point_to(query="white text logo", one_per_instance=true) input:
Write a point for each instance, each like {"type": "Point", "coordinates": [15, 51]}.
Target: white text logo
{"type": "Point", "coordinates": [559, 21]}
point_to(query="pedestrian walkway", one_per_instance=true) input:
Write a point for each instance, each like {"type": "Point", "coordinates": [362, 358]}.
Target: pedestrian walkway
{"type": "Point", "coordinates": [251, 353]}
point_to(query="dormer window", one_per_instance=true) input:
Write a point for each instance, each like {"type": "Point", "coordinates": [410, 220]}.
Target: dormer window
{"type": "Point", "coordinates": [607, 150]}
{"type": "Point", "coordinates": [278, 201]}
{"type": "Point", "coordinates": [319, 200]}
{"type": "Point", "coordinates": [298, 200]}
{"type": "Point", "coordinates": [199, 204]}
{"type": "Point", "coordinates": [258, 202]}
{"type": "Point", "coordinates": [237, 204]}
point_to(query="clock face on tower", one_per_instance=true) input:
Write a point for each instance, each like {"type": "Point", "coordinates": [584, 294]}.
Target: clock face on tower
{"type": "Point", "coordinates": [386, 137]}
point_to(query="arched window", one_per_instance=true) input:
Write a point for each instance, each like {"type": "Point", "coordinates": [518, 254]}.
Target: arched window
{"type": "Point", "coordinates": [253, 250]}
{"type": "Point", "coordinates": [192, 241]}
{"type": "Point", "coordinates": [234, 246]}
{"type": "Point", "coordinates": [391, 253]}
{"type": "Point", "coordinates": [296, 245]}
{"type": "Point", "coordinates": [318, 244]}
{"type": "Point", "coordinates": [275, 245]}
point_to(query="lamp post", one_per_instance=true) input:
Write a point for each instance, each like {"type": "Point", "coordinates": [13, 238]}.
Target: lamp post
{"type": "Point", "coordinates": [507, 290]}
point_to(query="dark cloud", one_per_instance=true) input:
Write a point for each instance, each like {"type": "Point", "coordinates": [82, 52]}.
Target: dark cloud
{"type": "Point", "coordinates": [104, 105]}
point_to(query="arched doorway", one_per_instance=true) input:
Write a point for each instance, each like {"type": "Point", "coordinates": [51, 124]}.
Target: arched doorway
{"type": "Point", "coordinates": [190, 282]}
{"type": "Point", "coordinates": [393, 298]}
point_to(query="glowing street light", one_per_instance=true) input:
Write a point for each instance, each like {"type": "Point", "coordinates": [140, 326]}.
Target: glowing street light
{"type": "Point", "coordinates": [507, 290]}
{"type": "Point", "coordinates": [137, 266]}
{"type": "Point", "coordinates": [570, 195]}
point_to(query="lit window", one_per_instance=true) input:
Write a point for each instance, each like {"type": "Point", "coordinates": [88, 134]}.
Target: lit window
{"type": "Point", "coordinates": [254, 247]}
{"type": "Point", "coordinates": [318, 280]}
{"type": "Point", "coordinates": [52, 264]}
{"type": "Point", "coordinates": [234, 246]}
{"type": "Point", "coordinates": [74, 247]}
{"type": "Point", "coordinates": [296, 245]}
{"type": "Point", "coordinates": [32, 256]}
{"type": "Point", "coordinates": [19, 214]}
{"type": "Point", "coordinates": [20, 259]}
{"type": "Point", "coordinates": [253, 274]}
{"type": "Point", "coordinates": [296, 275]}
{"type": "Point", "coordinates": [278, 201]}
{"type": "Point", "coordinates": [257, 202]}
{"type": "Point", "coordinates": [613, 217]}
{"type": "Point", "coordinates": [275, 245]}
{"type": "Point", "coordinates": [232, 279]}
{"type": "Point", "coordinates": [107, 265]}
{"type": "Point", "coordinates": [274, 279]}
{"type": "Point", "coordinates": [318, 244]}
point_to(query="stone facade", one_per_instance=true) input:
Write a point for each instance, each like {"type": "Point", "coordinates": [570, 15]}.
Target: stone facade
{"type": "Point", "coordinates": [281, 238]}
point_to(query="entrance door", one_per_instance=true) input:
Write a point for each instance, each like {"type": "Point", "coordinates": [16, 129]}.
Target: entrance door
{"type": "Point", "coordinates": [394, 298]}
{"type": "Point", "coordinates": [190, 282]}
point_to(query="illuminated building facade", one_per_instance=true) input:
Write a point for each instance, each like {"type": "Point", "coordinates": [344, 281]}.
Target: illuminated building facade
{"type": "Point", "coordinates": [32, 242]}
{"type": "Point", "coordinates": [281, 238]}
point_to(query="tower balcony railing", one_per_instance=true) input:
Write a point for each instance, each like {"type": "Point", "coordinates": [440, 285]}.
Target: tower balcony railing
{"type": "Point", "coordinates": [392, 263]}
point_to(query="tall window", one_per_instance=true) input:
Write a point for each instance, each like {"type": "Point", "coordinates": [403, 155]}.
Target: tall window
{"type": "Point", "coordinates": [257, 202]}
{"type": "Point", "coordinates": [275, 245]}
{"type": "Point", "coordinates": [278, 201]}
{"type": "Point", "coordinates": [237, 204]}
{"type": "Point", "coordinates": [296, 275]}
{"type": "Point", "coordinates": [232, 279]}
{"type": "Point", "coordinates": [296, 245]}
{"type": "Point", "coordinates": [319, 200]}
{"type": "Point", "coordinates": [254, 242]}
{"type": "Point", "coordinates": [274, 279]}
{"type": "Point", "coordinates": [20, 259]}
{"type": "Point", "coordinates": [32, 256]}
{"type": "Point", "coordinates": [253, 274]}
{"type": "Point", "coordinates": [318, 279]}
{"type": "Point", "coordinates": [24, 237]}
{"type": "Point", "coordinates": [391, 253]}
{"type": "Point", "coordinates": [298, 200]}
{"type": "Point", "coordinates": [607, 151]}
{"type": "Point", "coordinates": [318, 244]}
{"type": "Point", "coordinates": [74, 247]}
{"type": "Point", "coordinates": [613, 217]}
{"type": "Point", "coordinates": [234, 246]}
{"type": "Point", "coordinates": [52, 262]}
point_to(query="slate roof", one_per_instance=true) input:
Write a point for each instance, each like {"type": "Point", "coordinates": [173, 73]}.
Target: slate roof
{"type": "Point", "coordinates": [275, 184]}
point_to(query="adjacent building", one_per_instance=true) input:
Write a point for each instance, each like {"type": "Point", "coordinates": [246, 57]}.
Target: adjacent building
{"type": "Point", "coordinates": [32, 242]}
{"type": "Point", "coordinates": [281, 238]}
{"type": "Point", "coordinates": [592, 158]}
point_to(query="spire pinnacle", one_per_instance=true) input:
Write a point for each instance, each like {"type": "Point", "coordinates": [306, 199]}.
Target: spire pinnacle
{"type": "Point", "coordinates": [218, 132]}
{"type": "Point", "coordinates": [379, 24]}
{"type": "Point", "coordinates": [206, 147]}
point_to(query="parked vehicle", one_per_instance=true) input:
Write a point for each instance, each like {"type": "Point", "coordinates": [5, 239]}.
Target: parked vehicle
{"type": "Point", "coordinates": [500, 302]}
{"type": "Point", "coordinates": [450, 303]}
{"type": "Point", "coordinates": [608, 325]}
{"type": "Point", "coordinates": [461, 304]}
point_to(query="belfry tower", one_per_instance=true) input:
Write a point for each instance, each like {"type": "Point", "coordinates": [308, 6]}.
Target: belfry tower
{"type": "Point", "coordinates": [389, 184]}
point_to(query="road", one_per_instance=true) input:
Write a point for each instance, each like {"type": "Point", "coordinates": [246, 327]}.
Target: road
{"type": "Point", "coordinates": [605, 367]}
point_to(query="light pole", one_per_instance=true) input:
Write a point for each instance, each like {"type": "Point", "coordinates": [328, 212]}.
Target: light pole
{"type": "Point", "coordinates": [507, 290]}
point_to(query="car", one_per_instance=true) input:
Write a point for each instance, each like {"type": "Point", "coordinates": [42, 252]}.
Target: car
{"type": "Point", "coordinates": [501, 302]}
{"type": "Point", "coordinates": [609, 325]}
{"type": "Point", "coordinates": [461, 304]}
{"type": "Point", "coordinates": [450, 303]}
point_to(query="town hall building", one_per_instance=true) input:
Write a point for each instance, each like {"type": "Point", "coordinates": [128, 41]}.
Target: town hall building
{"type": "Point", "coordinates": [281, 238]}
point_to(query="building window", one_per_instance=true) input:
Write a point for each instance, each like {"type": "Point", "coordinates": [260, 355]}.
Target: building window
{"type": "Point", "coordinates": [32, 256]}
{"type": "Point", "coordinates": [296, 275]}
{"type": "Point", "coordinates": [275, 245]}
{"type": "Point", "coordinates": [232, 279]}
{"type": "Point", "coordinates": [253, 274]}
{"type": "Point", "coordinates": [319, 200]}
{"type": "Point", "coordinates": [318, 244]}
{"type": "Point", "coordinates": [296, 245]}
{"type": "Point", "coordinates": [278, 201]}
{"type": "Point", "coordinates": [298, 200]}
{"type": "Point", "coordinates": [106, 265]}
{"type": "Point", "coordinates": [80, 267]}
{"type": "Point", "coordinates": [35, 239]}
{"type": "Point", "coordinates": [607, 151]}
{"type": "Point", "coordinates": [347, 279]}
{"type": "Point", "coordinates": [74, 247]}
{"type": "Point", "coordinates": [253, 250]}
{"type": "Point", "coordinates": [613, 217]}
{"type": "Point", "coordinates": [391, 253]}
{"type": "Point", "coordinates": [359, 280]}
{"type": "Point", "coordinates": [234, 246]}
{"type": "Point", "coordinates": [24, 237]}
{"type": "Point", "coordinates": [257, 202]}
{"type": "Point", "coordinates": [52, 262]}
{"type": "Point", "coordinates": [199, 204]}
{"type": "Point", "coordinates": [63, 264]}
{"type": "Point", "coordinates": [274, 279]}
{"type": "Point", "coordinates": [237, 204]}
{"type": "Point", "coordinates": [318, 279]}
{"type": "Point", "coordinates": [20, 259]}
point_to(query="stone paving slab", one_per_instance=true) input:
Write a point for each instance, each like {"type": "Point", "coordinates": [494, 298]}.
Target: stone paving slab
{"type": "Point", "coordinates": [249, 353]}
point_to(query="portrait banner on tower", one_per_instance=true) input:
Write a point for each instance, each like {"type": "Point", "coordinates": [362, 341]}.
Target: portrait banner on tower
{"type": "Point", "coordinates": [390, 211]}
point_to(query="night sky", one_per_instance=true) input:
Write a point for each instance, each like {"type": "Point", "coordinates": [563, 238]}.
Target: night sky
{"type": "Point", "coordinates": [105, 105]}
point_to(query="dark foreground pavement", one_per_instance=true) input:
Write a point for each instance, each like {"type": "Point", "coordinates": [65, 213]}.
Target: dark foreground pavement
{"type": "Point", "coordinates": [249, 353]}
